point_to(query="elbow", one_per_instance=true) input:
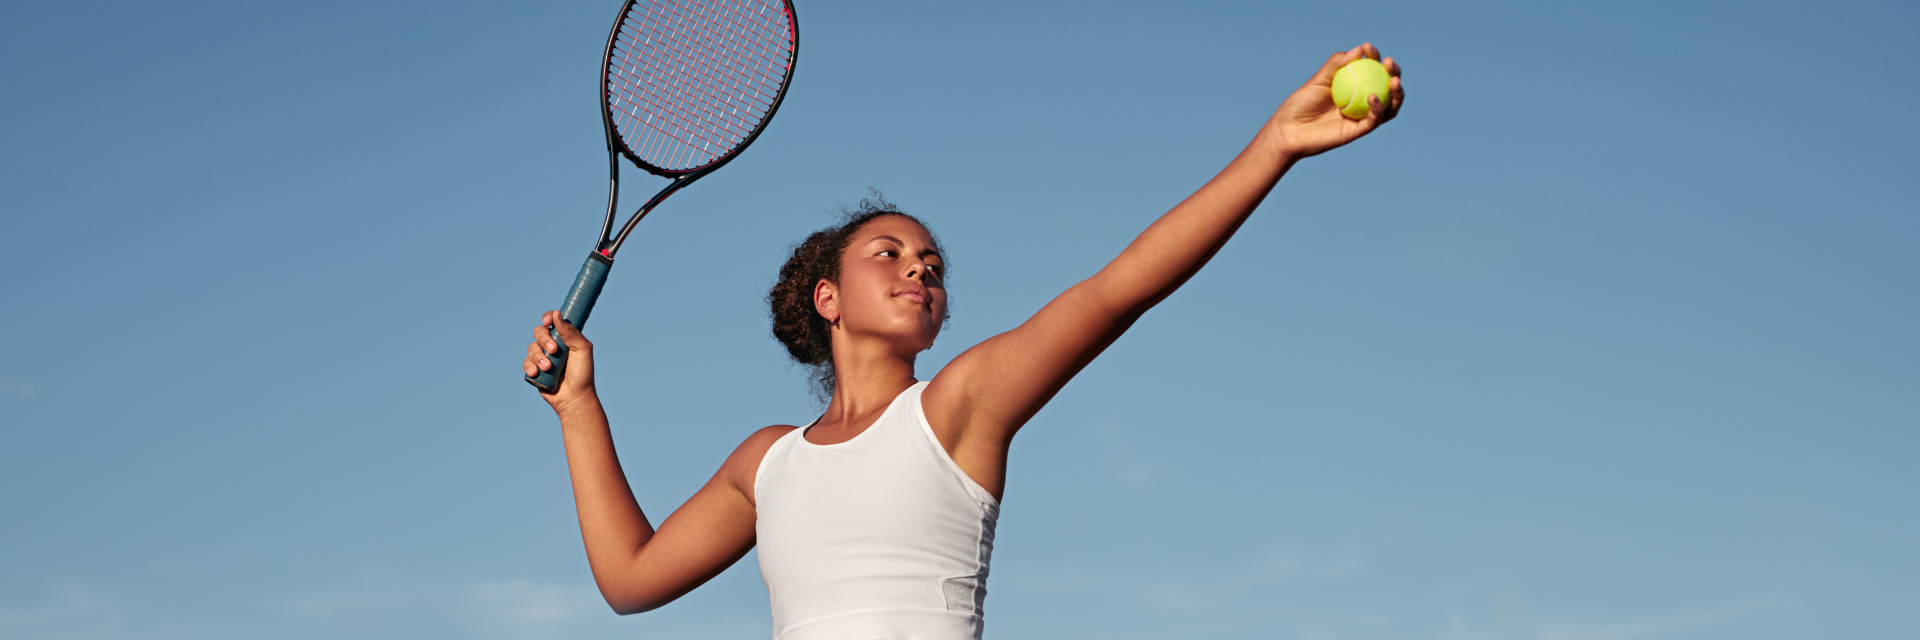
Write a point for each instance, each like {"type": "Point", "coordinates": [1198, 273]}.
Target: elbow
{"type": "Point", "coordinates": [631, 589]}
{"type": "Point", "coordinates": [629, 609]}
{"type": "Point", "coordinates": [629, 600]}
{"type": "Point", "coordinates": [627, 606]}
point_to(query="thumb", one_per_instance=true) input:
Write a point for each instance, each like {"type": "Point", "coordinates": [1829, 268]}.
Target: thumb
{"type": "Point", "coordinates": [569, 334]}
{"type": "Point", "coordinates": [1324, 75]}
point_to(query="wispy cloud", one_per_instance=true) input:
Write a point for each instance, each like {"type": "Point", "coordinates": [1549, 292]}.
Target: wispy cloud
{"type": "Point", "coordinates": [67, 612]}
{"type": "Point", "coordinates": [374, 605]}
{"type": "Point", "coordinates": [1283, 590]}
{"type": "Point", "coordinates": [1664, 625]}
{"type": "Point", "coordinates": [522, 608]}
{"type": "Point", "coordinates": [388, 605]}
{"type": "Point", "coordinates": [1307, 592]}
{"type": "Point", "coordinates": [508, 609]}
{"type": "Point", "coordinates": [1272, 565]}
{"type": "Point", "coordinates": [13, 388]}
{"type": "Point", "coordinates": [1129, 469]}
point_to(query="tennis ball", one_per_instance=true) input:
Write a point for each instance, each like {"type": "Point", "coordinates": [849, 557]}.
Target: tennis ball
{"type": "Point", "coordinates": [1354, 82]}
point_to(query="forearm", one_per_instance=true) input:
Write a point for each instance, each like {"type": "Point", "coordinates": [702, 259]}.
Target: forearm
{"type": "Point", "coordinates": [611, 522]}
{"type": "Point", "coordinates": [1177, 245]}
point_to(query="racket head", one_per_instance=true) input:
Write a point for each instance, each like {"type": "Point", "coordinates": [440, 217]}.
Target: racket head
{"type": "Point", "coordinates": [688, 84]}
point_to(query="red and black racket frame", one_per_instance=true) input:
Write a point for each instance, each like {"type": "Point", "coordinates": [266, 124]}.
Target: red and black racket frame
{"type": "Point", "coordinates": [593, 275]}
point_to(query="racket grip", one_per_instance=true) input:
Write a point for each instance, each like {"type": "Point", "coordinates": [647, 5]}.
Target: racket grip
{"type": "Point", "coordinates": [579, 304]}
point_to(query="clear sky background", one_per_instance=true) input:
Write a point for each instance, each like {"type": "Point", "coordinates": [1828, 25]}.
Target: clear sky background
{"type": "Point", "coordinates": [1614, 334]}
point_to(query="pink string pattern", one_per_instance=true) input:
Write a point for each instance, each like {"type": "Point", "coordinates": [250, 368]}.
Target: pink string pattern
{"type": "Point", "coordinates": [689, 80]}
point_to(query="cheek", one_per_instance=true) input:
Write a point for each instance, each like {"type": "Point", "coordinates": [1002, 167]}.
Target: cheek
{"type": "Point", "coordinates": [860, 291]}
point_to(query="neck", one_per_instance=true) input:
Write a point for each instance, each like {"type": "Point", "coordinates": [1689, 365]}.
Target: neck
{"type": "Point", "coordinates": [864, 385]}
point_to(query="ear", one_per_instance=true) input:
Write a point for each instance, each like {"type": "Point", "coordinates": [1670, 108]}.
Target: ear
{"type": "Point", "coordinates": [826, 300]}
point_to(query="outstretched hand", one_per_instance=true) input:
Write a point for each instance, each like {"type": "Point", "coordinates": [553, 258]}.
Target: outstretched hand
{"type": "Point", "coordinates": [1309, 123]}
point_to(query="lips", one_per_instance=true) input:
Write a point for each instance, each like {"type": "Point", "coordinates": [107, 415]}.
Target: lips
{"type": "Point", "coordinates": [916, 293]}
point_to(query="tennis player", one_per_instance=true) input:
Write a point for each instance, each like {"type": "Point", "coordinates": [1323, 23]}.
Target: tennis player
{"type": "Point", "coordinates": [876, 520]}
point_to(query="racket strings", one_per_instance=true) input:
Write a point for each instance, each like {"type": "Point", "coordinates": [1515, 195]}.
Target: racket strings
{"type": "Point", "coordinates": [707, 127]}
{"type": "Point", "coordinates": [690, 80]}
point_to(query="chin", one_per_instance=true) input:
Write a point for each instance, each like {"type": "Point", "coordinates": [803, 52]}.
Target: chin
{"type": "Point", "coordinates": [917, 341]}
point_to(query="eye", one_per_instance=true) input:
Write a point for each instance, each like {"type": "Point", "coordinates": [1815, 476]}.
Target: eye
{"type": "Point", "coordinates": [889, 253]}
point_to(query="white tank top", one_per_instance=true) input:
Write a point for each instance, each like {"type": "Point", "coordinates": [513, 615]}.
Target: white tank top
{"type": "Point", "coordinates": [881, 536]}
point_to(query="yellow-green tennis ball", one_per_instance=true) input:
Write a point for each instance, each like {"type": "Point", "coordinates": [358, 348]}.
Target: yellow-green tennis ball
{"type": "Point", "coordinates": [1354, 82]}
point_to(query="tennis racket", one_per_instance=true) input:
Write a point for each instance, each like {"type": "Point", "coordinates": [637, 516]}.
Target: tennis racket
{"type": "Point", "coordinates": [686, 86]}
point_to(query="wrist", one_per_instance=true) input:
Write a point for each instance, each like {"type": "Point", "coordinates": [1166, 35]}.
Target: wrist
{"type": "Point", "coordinates": [1272, 144]}
{"type": "Point", "coordinates": [585, 402]}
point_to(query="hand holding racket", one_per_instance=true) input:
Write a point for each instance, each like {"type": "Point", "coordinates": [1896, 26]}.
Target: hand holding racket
{"type": "Point", "coordinates": [577, 377]}
{"type": "Point", "coordinates": [686, 86]}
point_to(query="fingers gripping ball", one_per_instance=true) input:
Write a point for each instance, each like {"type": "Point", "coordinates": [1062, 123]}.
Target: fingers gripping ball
{"type": "Point", "coordinates": [1354, 82]}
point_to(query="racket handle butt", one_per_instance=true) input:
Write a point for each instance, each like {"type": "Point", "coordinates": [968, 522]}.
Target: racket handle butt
{"type": "Point", "coordinates": [547, 382]}
{"type": "Point", "coordinates": [579, 304]}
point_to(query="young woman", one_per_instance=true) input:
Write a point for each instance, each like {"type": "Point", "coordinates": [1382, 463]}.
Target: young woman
{"type": "Point", "coordinates": [876, 520]}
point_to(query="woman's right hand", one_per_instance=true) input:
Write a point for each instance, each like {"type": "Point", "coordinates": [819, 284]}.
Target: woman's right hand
{"type": "Point", "coordinates": [576, 383]}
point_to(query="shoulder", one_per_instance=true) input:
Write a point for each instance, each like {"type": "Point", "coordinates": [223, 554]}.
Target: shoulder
{"type": "Point", "coordinates": [764, 438]}
{"type": "Point", "coordinates": [744, 464]}
{"type": "Point", "coordinates": [755, 446]}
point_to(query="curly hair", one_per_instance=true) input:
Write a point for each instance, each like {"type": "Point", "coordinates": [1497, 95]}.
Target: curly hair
{"type": "Point", "coordinates": [796, 323]}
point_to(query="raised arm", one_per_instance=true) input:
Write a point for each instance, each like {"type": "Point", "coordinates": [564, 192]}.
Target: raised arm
{"type": "Point", "coordinates": [980, 399]}
{"type": "Point", "coordinates": [637, 567]}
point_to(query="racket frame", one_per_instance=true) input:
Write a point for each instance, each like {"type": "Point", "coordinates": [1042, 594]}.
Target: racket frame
{"type": "Point", "coordinates": [593, 275]}
{"type": "Point", "coordinates": [609, 243]}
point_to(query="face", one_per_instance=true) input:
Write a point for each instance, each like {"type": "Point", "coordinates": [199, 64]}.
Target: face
{"type": "Point", "coordinates": [890, 288]}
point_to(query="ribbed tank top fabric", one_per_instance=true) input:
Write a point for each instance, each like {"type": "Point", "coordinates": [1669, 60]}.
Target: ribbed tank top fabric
{"type": "Point", "coordinates": [881, 536]}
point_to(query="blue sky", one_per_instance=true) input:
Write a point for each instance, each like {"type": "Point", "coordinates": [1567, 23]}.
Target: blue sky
{"type": "Point", "coordinates": [1614, 334]}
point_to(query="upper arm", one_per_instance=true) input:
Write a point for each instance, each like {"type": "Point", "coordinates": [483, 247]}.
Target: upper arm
{"type": "Point", "coordinates": [707, 534]}
{"type": "Point", "coordinates": [992, 389]}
